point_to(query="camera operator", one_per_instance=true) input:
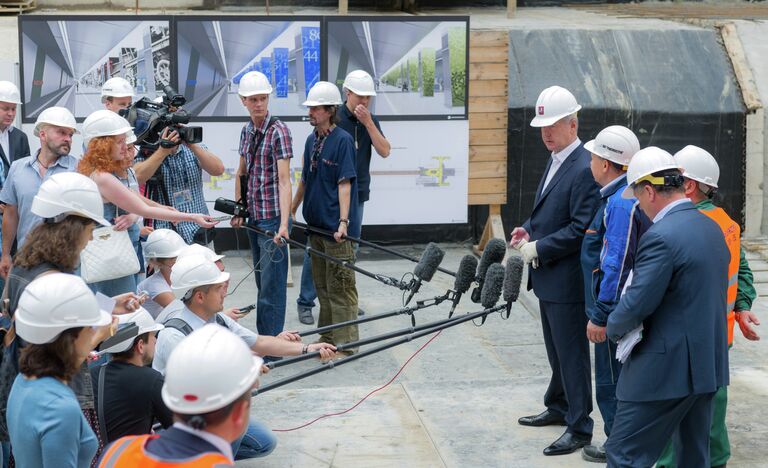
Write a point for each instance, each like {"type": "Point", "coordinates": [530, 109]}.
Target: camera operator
{"type": "Point", "coordinates": [178, 180]}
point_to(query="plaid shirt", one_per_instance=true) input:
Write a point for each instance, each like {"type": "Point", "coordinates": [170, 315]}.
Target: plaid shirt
{"type": "Point", "coordinates": [263, 183]}
{"type": "Point", "coordinates": [183, 181]}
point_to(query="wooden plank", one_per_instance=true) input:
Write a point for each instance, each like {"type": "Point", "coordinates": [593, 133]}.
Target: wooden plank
{"type": "Point", "coordinates": [343, 7]}
{"type": "Point", "coordinates": [511, 8]}
{"type": "Point", "coordinates": [487, 104]}
{"type": "Point", "coordinates": [488, 137]}
{"type": "Point", "coordinates": [488, 55]}
{"type": "Point", "coordinates": [488, 199]}
{"type": "Point", "coordinates": [488, 38]}
{"type": "Point", "coordinates": [489, 169]}
{"type": "Point", "coordinates": [488, 71]}
{"type": "Point", "coordinates": [741, 67]}
{"type": "Point", "coordinates": [488, 185]}
{"type": "Point", "coordinates": [488, 153]}
{"type": "Point", "coordinates": [480, 88]}
{"type": "Point", "coordinates": [488, 120]}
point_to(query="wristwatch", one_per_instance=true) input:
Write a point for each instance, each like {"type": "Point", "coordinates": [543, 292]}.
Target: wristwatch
{"type": "Point", "coordinates": [344, 220]}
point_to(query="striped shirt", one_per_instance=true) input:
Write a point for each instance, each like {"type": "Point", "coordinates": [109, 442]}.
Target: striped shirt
{"type": "Point", "coordinates": [263, 185]}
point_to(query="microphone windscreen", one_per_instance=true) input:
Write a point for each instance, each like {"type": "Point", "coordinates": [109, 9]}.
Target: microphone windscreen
{"type": "Point", "coordinates": [465, 274]}
{"type": "Point", "coordinates": [512, 278]}
{"type": "Point", "coordinates": [494, 252]}
{"type": "Point", "coordinates": [428, 263]}
{"type": "Point", "coordinates": [494, 281]}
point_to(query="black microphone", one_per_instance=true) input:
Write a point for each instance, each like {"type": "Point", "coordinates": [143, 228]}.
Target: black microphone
{"type": "Point", "coordinates": [492, 286]}
{"type": "Point", "coordinates": [426, 268]}
{"type": "Point", "coordinates": [513, 278]}
{"type": "Point", "coordinates": [493, 253]}
{"type": "Point", "coordinates": [465, 275]}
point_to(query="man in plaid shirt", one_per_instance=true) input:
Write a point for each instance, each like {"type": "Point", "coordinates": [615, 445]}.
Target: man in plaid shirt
{"type": "Point", "coordinates": [265, 156]}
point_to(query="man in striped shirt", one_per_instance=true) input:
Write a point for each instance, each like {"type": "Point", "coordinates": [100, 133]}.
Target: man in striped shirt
{"type": "Point", "coordinates": [265, 155]}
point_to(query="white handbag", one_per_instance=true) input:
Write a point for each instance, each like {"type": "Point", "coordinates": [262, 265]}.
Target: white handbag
{"type": "Point", "coordinates": [108, 256]}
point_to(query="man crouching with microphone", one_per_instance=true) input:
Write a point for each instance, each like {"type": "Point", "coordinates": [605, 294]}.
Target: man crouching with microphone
{"type": "Point", "coordinates": [328, 188]}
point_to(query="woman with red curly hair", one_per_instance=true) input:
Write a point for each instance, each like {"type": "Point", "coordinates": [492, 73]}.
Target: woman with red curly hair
{"type": "Point", "coordinates": [105, 138]}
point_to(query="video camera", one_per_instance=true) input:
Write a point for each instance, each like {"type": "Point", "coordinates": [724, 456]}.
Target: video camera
{"type": "Point", "coordinates": [231, 207]}
{"type": "Point", "coordinates": [149, 118]}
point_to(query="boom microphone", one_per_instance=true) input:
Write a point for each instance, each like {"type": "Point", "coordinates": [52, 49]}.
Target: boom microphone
{"type": "Point", "coordinates": [512, 280]}
{"type": "Point", "coordinates": [426, 268]}
{"type": "Point", "coordinates": [464, 278]}
{"type": "Point", "coordinates": [493, 253]}
{"type": "Point", "coordinates": [492, 286]}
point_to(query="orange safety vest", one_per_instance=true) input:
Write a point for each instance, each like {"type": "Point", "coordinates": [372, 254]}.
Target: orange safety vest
{"type": "Point", "coordinates": [129, 452]}
{"type": "Point", "coordinates": [732, 233]}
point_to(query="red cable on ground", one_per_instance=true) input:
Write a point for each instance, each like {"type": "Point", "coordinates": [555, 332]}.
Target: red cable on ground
{"type": "Point", "coordinates": [368, 395]}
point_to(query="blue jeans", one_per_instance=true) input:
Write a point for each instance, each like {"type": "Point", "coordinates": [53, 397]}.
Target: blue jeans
{"type": "Point", "coordinates": [271, 263]}
{"type": "Point", "coordinates": [258, 441]}
{"type": "Point", "coordinates": [607, 370]}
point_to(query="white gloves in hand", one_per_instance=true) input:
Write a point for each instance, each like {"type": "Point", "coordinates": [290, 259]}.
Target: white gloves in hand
{"type": "Point", "coordinates": [528, 250]}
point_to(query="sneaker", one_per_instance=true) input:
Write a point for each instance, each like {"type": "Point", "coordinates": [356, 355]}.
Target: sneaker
{"type": "Point", "coordinates": [305, 315]}
{"type": "Point", "coordinates": [594, 453]}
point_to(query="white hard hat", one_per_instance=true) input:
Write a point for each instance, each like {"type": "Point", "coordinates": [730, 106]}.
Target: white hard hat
{"type": "Point", "coordinates": [164, 243]}
{"type": "Point", "coordinates": [9, 92]}
{"type": "Point", "coordinates": [56, 116]}
{"type": "Point", "coordinates": [69, 193]}
{"type": "Point", "coordinates": [197, 249]}
{"type": "Point", "coordinates": [323, 93]}
{"type": "Point", "coordinates": [54, 303]}
{"type": "Point", "coordinates": [143, 320]}
{"type": "Point", "coordinates": [553, 104]}
{"type": "Point", "coordinates": [208, 370]}
{"type": "Point", "coordinates": [644, 163]}
{"type": "Point", "coordinates": [192, 271]}
{"type": "Point", "coordinates": [360, 83]}
{"type": "Point", "coordinates": [117, 87]}
{"type": "Point", "coordinates": [698, 164]}
{"type": "Point", "coordinates": [615, 143]}
{"type": "Point", "coordinates": [130, 138]}
{"type": "Point", "coordinates": [104, 123]}
{"type": "Point", "coordinates": [252, 83]}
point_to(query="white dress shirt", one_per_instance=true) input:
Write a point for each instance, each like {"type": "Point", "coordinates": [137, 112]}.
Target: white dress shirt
{"type": "Point", "coordinates": [4, 135]}
{"type": "Point", "coordinates": [221, 445]}
{"type": "Point", "coordinates": [660, 215]}
{"type": "Point", "coordinates": [557, 161]}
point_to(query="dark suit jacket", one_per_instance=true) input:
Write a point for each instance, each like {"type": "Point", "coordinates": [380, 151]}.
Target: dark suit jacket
{"type": "Point", "coordinates": [678, 293]}
{"type": "Point", "coordinates": [19, 148]}
{"type": "Point", "coordinates": [558, 222]}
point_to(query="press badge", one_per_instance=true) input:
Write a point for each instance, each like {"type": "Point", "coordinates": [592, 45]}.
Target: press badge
{"type": "Point", "coordinates": [181, 197]}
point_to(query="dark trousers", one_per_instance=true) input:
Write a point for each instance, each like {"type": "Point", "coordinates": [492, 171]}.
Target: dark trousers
{"type": "Point", "coordinates": [642, 428]}
{"type": "Point", "coordinates": [570, 388]}
{"type": "Point", "coordinates": [607, 370]}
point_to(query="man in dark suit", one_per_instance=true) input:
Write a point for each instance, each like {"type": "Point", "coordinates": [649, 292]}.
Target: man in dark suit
{"type": "Point", "coordinates": [13, 142]}
{"type": "Point", "coordinates": [550, 240]}
{"type": "Point", "coordinates": [678, 295]}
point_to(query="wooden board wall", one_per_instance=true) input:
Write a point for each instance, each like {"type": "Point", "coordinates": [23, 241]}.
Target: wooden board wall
{"type": "Point", "coordinates": [488, 75]}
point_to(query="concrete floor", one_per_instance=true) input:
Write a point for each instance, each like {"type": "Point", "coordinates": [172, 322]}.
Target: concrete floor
{"type": "Point", "coordinates": [457, 402]}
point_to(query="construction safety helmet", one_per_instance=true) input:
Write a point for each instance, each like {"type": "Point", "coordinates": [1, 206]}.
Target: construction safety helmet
{"type": "Point", "coordinates": [616, 144]}
{"type": "Point", "coordinates": [252, 83]}
{"type": "Point", "coordinates": [142, 319]}
{"type": "Point", "coordinates": [69, 193]}
{"type": "Point", "coordinates": [553, 104]}
{"type": "Point", "coordinates": [192, 271]}
{"type": "Point", "coordinates": [56, 116]}
{"type": "Point", "coordinates": [164, 243]}
{"type": "Point", "coordinates": [130, 138]}
{"type": "Point", "coordinates": [117, 87]}
{"type": "Point", "coordinates": [197, 249]}
{"type": "Point", "coordinates": [323, 93]}
{"type": "Point", "coordinates": [360, 83]}
{"type": "Point", "coordinates": [698, 164]}
{"type": "Point", "coordinates": [9, 93]}
{"type": "Point", "coordinates": [54, 303]}
{"type": "Point", "coordinates": [644, 163]}
{"type": "Point", "coordinates": [208, 370]}
{"type": "Point", "coordinates": [103, 123]}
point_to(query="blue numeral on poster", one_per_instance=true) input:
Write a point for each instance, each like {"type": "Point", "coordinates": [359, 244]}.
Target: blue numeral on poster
{"type": "Point", "coordinates": [266, 67]}
{"type": "Point", "coordinates": [280, 59]}
{"type": "Point", "coordinates": [310, 46]}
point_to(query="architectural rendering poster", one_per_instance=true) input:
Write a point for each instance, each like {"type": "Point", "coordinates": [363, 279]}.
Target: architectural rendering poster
{"type": "Point", "coordinates": [419, 67]}
{"type": "Point", "coordinates": [64, 62]}
{"type": "Point", "coordinates": [215, 54]}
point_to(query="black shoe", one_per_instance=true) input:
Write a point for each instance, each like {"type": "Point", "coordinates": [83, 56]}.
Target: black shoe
{"type": "Point", "coordinates": [305, 315]}
{"type": "Point", "coordinates": [360, 312]}
{"type": "Point", "coordinates": [594, 453]}
{"type": "Point", "coordinates": [547, 418]}
{"type": "Point", "coordinates": [567, 443]}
